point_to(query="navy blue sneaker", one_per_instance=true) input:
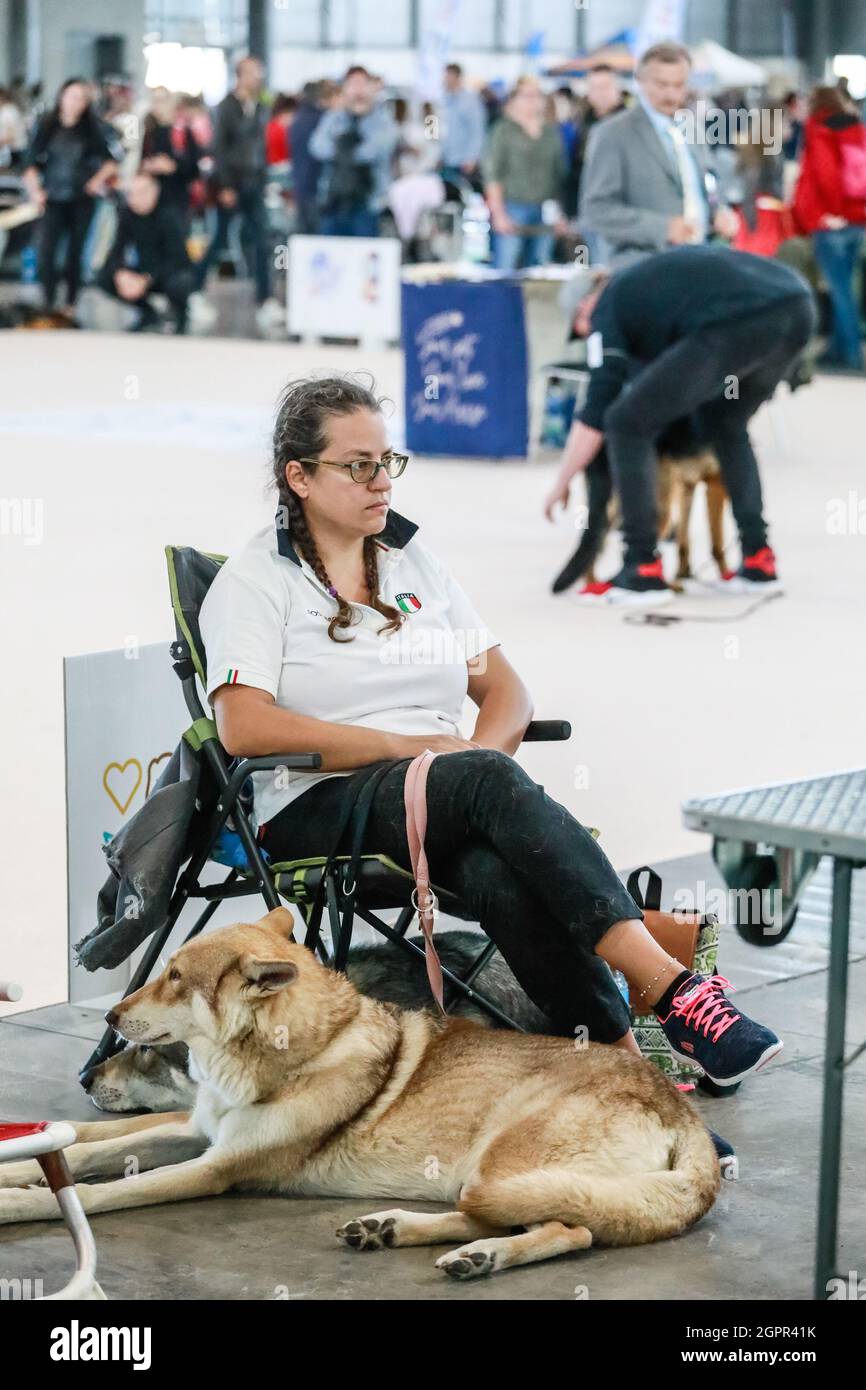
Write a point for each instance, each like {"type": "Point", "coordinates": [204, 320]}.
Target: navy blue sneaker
{"type": "Point", "coordinates": [722, 1147]}
{"type": "Point", "coordinates": [704, 1027]}
{"type": "Point", "coordinates": [727, 1157]}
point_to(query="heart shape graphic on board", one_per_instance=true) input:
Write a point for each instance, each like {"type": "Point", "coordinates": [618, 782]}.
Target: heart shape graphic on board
{"type": "Point", "coordinates": [154, 762]}
{"type": "Point", "coordinates": [120, 768]}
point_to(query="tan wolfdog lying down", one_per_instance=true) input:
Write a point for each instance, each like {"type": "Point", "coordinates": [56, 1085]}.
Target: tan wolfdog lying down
{"type": "Point", "coordinates": [308, 1087]}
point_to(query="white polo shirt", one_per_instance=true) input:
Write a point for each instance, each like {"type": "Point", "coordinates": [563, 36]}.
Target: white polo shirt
{"type": "Point", "coordinates": [264, 623]}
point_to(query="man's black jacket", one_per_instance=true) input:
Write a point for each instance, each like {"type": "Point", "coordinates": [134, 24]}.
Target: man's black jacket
{"type": "Point", "coordinates": [156, 242]}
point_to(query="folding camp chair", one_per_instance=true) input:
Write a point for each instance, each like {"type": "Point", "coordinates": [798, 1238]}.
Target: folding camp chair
{"type": "Point", "coordinates": [313, 885]}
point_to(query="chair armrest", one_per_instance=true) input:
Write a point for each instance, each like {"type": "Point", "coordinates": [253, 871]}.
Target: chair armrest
{"type": "Point", "coordinates": [247, 766]}
{"type": "Point", "coordinates": [547, 730]}
{"type": "Point", "coordinates": [537, 731]}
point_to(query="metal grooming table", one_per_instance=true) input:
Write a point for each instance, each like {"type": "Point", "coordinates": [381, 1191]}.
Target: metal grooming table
{"type": "Point", "coordinates": [810, 818]}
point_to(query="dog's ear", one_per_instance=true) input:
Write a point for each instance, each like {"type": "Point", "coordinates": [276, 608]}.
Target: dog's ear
{"type": "Point", "coordinates": [279, 919]}
{"type": "Point", "coordinates": [267, 976]}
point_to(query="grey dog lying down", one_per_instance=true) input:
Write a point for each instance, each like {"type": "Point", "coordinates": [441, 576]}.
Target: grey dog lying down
{"type": "Point", "coordinates": [157, 1078]}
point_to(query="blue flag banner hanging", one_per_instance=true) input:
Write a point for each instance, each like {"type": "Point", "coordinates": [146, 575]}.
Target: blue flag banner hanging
{"type": "Point", "coordinates": [466, 369]}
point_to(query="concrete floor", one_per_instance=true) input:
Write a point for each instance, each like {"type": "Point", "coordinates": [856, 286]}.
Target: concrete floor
{"type": "Point", "coordinates": [757, 1243]}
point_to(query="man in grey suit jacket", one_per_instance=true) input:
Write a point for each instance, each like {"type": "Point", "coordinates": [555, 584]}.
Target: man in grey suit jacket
{"type": "Point", "coordinates": [644, 186]}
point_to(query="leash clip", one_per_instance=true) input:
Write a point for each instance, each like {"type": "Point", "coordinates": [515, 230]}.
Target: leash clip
{"type": "Point", "coordinates": [431, 905]}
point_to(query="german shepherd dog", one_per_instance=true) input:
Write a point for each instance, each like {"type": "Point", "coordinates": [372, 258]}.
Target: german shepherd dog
{"type": "Point", "coordinates": [307, 1087]}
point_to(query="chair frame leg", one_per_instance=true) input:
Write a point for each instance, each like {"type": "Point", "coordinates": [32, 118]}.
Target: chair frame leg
{"type": "Point", "coordinates": [313, 913]}
{"type": "Point", "coordinates": [405, 920]}
{"type": "Point", "coordinates": [459, 985]}
{"type": "Point", "coordinates": [484, 955]}
{"type": "Point", "coordinates": [341, 928]}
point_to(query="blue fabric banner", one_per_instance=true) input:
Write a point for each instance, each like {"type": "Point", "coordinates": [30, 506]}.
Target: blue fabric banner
{"type": "Point", "coordinates": [466, 383]}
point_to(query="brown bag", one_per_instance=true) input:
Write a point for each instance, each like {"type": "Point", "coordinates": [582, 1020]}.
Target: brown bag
{"type": "Point", "coordinates": [676, 933]}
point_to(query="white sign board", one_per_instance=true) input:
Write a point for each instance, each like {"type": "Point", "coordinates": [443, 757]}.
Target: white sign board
{"type": "Point", "coordinates": [344, 287]}
{"type": "Point", "coordinates": [124, 715]}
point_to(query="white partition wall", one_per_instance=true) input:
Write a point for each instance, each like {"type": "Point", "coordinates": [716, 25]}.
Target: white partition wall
{"type": "Point", "coordinates": [124, 713]}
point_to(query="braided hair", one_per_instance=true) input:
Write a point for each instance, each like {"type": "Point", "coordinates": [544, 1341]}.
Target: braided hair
{"type": "Point", "coordinates": [300, 433]}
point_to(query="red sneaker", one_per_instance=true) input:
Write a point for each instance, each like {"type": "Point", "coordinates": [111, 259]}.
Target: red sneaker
{"type": "Point", "coordinates": [639, 586]}
{"type": "Point", "coordinates": [756, 573]}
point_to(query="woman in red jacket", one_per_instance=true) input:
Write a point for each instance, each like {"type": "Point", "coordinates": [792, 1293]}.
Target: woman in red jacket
{"type": "Point", "coordinates": [830, 203]}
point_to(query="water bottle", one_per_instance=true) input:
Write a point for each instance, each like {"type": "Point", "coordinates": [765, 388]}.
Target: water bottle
{"type": "Point", "coordinates": [28, 265]}
{"type": "Point", "coordinates": [476, 230]}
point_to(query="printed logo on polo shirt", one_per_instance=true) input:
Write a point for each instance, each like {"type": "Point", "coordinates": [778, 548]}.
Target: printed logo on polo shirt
{"type": "Point", "coordinates": [232, 676]}
{"type": "Point", "coordinates": [408, 603]}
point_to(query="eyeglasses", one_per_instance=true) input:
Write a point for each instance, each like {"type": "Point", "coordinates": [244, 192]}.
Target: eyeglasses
{"type": "Point", "coordinates": [365, 470]}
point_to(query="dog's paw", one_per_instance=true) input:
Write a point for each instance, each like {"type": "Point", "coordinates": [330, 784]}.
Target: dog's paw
{"type": "Point", "coordinates": [369, 1232]}
{"type": "Point", "coordinates": [468, 1264]}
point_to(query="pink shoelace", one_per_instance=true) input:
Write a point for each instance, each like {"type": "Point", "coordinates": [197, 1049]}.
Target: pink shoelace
{"type": "Point", "coordinates": [703, 1007]}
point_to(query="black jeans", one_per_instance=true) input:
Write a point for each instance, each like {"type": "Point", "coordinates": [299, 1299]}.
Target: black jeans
{"type": "Point", "coordinates": [69, 219]}
{"type": "Point", "coordinates": [250, 208]}
{"type": "Point", "coordinates": [533, 877]}
{"type": "Point", "coordinates": [177, 287]}
{"type": "Point", "coordinates": [751, 355]}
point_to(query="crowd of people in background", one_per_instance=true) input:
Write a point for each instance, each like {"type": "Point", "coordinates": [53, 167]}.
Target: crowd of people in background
{"type": "Point", "coordinates": [606, 169]}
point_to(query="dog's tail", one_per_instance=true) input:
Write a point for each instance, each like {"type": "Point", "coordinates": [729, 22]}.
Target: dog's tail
{"type": "Point", "coordinates": [628, 1210]}
{"type": "Point", "coordinates": [598, 494]}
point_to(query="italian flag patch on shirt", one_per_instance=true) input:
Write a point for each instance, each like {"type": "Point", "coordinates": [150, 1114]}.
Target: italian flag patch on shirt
{"type": "Point", "coordinates": [408, 603]}
{"type": "Point", "coordinates": [232, 677]}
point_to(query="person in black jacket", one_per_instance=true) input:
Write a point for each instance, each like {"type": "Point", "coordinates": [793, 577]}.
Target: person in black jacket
{"type": "Point", "coordinates": [169, 152]}
{"type": "Point", "coordinates": [239, 174]}
{"type": "Point", "coordinates": [698, 332]}
{"type": "Point", "coordinates": [306, 171]}
{"type": "Point", "coordinates": [71, 160]}
{"type": "Point", "coordinates": [148, 256]}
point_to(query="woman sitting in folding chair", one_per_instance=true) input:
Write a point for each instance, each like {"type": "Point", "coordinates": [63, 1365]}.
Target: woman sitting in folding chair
{"type": "Point", "coordinates": [338, 631]}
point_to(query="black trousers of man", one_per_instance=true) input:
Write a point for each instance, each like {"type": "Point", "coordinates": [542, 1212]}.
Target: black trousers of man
{"type": "Point", "coordinates": [725, 371]}
{"type": "Point", "coordinates": [176, 285]}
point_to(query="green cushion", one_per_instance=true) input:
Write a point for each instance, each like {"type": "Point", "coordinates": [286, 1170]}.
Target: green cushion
{"type": "Point", "coordinates": [290, 874]}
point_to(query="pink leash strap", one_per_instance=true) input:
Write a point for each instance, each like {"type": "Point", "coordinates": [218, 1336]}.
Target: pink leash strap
{"type": "Point", "coordinates": [423, 898]}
